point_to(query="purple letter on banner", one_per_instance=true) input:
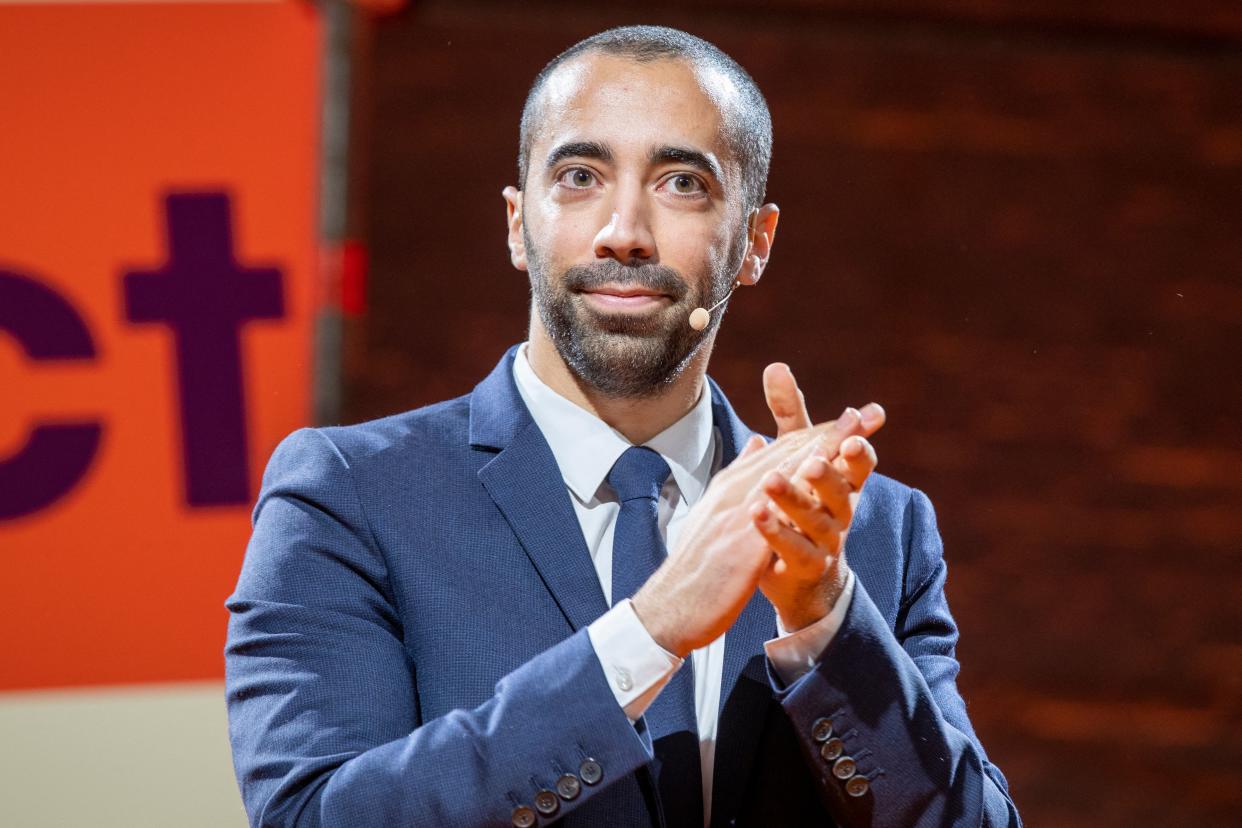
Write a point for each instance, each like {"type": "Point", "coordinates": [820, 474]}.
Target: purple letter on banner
{"type": "Point", "coordinates": [205, 297]}
{"type": "Point", "coordinates": [57, 455]}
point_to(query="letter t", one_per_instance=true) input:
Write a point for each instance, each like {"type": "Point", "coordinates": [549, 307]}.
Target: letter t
{"type": "Point", "coordinates": [204, 296]}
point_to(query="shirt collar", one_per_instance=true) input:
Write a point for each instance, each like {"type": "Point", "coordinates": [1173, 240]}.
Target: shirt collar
{"type": "Point", "coordinates": [585, 447]}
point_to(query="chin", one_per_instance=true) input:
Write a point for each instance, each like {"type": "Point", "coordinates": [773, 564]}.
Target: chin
{"type": "Point", "coordinates": [657, 324]}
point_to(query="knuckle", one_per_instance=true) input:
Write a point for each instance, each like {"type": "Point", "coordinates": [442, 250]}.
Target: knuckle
{"type": "Point", "coordinates": [826, 524]}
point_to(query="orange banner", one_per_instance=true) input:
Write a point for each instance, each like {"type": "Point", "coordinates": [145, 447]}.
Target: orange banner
{"type": "Point", "coordinates": [157, 255]}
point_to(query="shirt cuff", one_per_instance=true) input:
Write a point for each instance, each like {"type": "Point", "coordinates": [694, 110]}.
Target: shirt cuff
{"type": "Point", "coordinates": [793, 655]}
{"type": "Point", "coordinates": [636, 667]}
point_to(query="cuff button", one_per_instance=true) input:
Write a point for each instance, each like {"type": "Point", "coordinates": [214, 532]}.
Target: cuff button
{"type": "Point", "coordinates": [625, 681]}
{"type": "Point", "coordinates": [821, 731]}
{"type": "Point", "coordinates": [591, 771]}
{"type": "Point", "coordinates": [523, 817]}
{"type": "Point", "coordinates": [832, 749]}
{"type": "Point", "coordinates": [857, 786]}
{"type": "Point", "coordinates": [844, 767]}
{"type": "Point", "coordinates": [568, 787]}
{"type": "Point", "coordinates": [546, 803]}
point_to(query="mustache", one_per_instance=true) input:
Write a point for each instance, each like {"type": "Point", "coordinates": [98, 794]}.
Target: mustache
{"type": "Point", "coordinates": [652, 277]}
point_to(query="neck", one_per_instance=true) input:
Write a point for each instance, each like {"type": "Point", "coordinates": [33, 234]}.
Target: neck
{"type": "Point", "coordinates": [638, 419]}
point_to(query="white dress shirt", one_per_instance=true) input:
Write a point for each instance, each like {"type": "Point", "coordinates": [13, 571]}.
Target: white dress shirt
{"type": "Point", "coordinates": [637, 667]}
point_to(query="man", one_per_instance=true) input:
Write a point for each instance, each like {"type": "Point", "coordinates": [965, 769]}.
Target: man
{"type": "Point", "coordinates": [466, 614]}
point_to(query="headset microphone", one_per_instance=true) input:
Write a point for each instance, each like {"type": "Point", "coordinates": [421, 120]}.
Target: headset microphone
{"type": "Point", "coordinates": [699, 317]}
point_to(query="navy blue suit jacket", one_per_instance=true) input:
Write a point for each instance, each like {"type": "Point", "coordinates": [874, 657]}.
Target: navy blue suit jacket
{"type": "Point", "coordinates": [407, 646]}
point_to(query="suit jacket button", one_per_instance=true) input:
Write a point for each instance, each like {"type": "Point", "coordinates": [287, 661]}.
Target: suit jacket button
{"type": "Point", "coordinates": [568, 787]}
{"type": "Point", "coordinates": [523, 817]}
{"type": "Point", "coordinates": [821, 731]}
{"type": "Point", "coordinates": [546, 803]}
{"type": "Point", "coordinates": [857, 786]}
{"type": "Point", "coordinates": [832, 749]}
{"type": "Point", "coordinates": [844, 767]}
{"type": "Point", "coordinates": [590, 771]}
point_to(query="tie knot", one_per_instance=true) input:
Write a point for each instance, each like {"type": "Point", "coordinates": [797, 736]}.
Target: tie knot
{"type": "Point", "coordinates": [639, 472]}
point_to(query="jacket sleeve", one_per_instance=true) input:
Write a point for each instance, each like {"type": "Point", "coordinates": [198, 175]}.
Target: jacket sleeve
{"type": "Point", "coordinates": [322, 701]}
{"type": "Point", "coordinates": [907, 754]}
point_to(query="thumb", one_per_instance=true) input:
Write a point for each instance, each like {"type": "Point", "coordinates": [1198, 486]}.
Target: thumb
{"type": "Point", "coordinates": [785, 399]}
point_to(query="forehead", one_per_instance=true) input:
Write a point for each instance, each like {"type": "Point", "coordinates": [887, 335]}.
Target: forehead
{"type": "Point", "coordinates": [634, 105]}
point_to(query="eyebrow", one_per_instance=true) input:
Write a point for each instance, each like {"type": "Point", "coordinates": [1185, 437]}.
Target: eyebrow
{"type": "Point", "coordinates": [690, 157]}
{"type": "Point", "coordinates": [660, 155]}
{"type": "Point", "coordinates": [578, 149]}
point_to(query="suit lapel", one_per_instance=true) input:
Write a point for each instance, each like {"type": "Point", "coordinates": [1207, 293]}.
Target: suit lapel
{"type": "Point", "coordinates": [526, 485]}
{"type": "Point", "coordinates": [744, 690]}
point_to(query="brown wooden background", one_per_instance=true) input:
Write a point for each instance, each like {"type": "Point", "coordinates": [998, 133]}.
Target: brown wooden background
{"type": "Point", "coordinates": [1017, 225]}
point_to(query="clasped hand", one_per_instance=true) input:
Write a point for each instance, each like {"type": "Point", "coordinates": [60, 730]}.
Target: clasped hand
{"type": "Point", "coordinates": [776, 519]}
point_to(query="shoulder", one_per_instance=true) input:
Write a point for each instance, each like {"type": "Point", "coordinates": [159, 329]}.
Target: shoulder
{"type": "Point", "coordinates": [894, 540]}
{"type": "Point", "coordinates": [894, 504]}
{"type": "Point", "coordinates": [416, 436]}
{"type": "Point", "coordinates": [433, 426]}
{"type": "Point", "coordinates": [885, 493]}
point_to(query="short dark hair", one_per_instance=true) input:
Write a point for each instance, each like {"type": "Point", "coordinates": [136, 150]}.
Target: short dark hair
{"type": "Point", "coordinates": [748, 130]}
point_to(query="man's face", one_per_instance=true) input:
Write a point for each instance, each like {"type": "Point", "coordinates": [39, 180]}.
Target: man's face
{"type": "Point", "coordinates": [631, 218]}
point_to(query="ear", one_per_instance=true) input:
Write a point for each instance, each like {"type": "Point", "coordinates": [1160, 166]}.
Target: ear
{"type": "Point", "coordinates": [761, 232]}
{"type": "Point", "coordinates": [513, 217]}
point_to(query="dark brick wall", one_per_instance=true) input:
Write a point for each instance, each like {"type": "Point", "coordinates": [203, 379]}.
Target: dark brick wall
{"type": "Point", "coordinates": [1020, 230]}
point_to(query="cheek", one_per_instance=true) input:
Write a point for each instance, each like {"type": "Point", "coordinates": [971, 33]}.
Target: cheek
{"type": "Point", "coordinates": [703, 236]}
{"type": "Point", "coordinates": [720, 251]}
{"type": "Point", "coordinates": [564, 236]}
{"type": "Point", "coordinates": [709, 249]}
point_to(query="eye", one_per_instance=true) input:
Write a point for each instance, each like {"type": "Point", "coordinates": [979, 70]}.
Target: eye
{"type": "Point", "coordinates": [577, 178]}
{"type": "Point", "coordinates": [686, 184]}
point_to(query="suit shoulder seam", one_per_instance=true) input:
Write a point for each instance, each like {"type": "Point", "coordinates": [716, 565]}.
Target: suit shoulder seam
{"type": "Point", "coordinates": [372, 538]}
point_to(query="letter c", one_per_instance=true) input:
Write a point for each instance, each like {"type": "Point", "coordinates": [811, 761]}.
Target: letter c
{"type": "Point", "coordinates": [56, 455]}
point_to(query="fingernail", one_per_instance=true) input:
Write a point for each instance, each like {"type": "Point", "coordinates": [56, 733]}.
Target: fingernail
{"type": "Point", "coordinates": [872, 413]}
{"type": "Point", "coordinates": [817, 468]}
{"type": "Point", "coordinates": [852, 447]}
{"type": "Point", "coordinates": [849, 419]}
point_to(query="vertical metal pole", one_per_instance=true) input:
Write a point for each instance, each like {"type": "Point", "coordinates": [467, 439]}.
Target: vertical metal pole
{"type": "Point", "coordinates": [327, 379]}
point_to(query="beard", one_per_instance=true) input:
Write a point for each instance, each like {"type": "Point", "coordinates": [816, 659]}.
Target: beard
{"type": "Point", "coordinates": [627, 355]}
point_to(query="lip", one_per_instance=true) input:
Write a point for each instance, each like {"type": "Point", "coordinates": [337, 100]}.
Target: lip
{"type": "Point", "coordinates": [625, 298]}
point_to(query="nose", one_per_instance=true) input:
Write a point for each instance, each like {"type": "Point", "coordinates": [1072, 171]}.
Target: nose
{"type": "Point", "coordinates": [627, 236]}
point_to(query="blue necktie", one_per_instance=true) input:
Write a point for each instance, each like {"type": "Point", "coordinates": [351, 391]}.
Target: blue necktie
{"type": "Point", "coordinates": [637, 551]}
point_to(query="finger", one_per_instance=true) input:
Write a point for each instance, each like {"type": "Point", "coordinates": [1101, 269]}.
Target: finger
{"type": "Point", "coordinates": [795, 445]}
{"type": "Point", "coordinates": [856, 461]}
{"type": "Point", "coordinates": [743, 477]}
{"type": "Point", "coordinates": [791, 448]}
{"type": "Point", "coordinates": [846, 425]}
{"type": "Point", "coordinates": [831, 487]}
{"type": "Point", "coordinates": [803, 510]}
{"type": "Point", "coordinates": [824, 441]}
{"type": "Point", "coordinates": [873, 418]}
{"type": "Point", "coordinates": [785, 399]}
{"type": "Point", "coordinates": [755, 443]}
{"type": "Point", "coordinates": [785, 467]}
{"type": "Point", "coordinates": [797, 551]}
{"type": "Point", "coordinates": [793, 461]}
{"type": "Point", "coordinates": [787, 452]}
